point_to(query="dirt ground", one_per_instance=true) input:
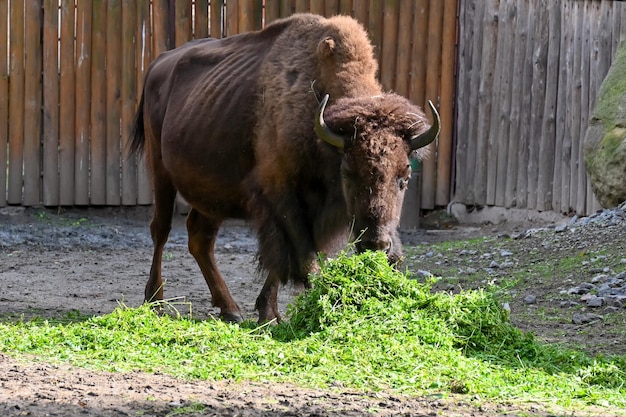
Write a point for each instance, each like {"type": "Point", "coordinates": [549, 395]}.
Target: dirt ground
{"type": "Point", "coordinates": [54, 263]}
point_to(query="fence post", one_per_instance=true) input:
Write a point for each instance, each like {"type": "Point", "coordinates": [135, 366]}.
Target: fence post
{"type": "Point", "coordinates": [16, 98]}
{"type": "Point", "coordinates": [4, 101]}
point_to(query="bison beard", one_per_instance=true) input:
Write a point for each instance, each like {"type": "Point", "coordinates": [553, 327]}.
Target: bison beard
{"type": "Point", "coordinates": [235, 126]}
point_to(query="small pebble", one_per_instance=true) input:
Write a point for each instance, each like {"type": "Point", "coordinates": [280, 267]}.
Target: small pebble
{"type": "Point", "coordinates": [530, 299]}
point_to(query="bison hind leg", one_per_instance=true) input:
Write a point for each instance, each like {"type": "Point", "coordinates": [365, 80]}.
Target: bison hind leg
{"type": "Point", "coordinates": [202, 232]}
{"type": "Point", "coordinates": [160, 226]}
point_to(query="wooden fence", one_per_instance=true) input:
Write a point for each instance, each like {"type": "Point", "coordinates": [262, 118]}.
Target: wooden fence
{"type": "Point", "coordinates": [528, 75]}
{"type": "Point", "coordinates": [67, 103]}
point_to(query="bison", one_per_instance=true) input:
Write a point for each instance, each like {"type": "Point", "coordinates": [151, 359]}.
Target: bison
{"type": "Point", "coordinates": [288, 128]}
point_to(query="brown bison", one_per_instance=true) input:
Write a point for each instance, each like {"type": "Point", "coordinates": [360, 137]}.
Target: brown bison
{"type": "Point", "coordinates": [236, 127]}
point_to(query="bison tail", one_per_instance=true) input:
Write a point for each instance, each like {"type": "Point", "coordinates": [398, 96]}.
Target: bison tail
{"type": "Point", "coordinates": [138, 135]}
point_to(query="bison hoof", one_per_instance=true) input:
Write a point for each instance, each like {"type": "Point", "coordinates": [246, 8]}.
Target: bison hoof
{"type": "Point", "coordinates": [271, 318]}
{"type": "Point", "coordinates": [231, 317]}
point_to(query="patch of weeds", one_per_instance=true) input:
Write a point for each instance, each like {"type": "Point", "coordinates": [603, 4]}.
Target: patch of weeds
{"type": "Point", "coordinates": [79, 222]}
{"type": "Point", "coordinates": [194, 407]}
{"type": "Point", "coordinates": [545, 314]}
{"type": "Point", "coordinates": [43, 216]}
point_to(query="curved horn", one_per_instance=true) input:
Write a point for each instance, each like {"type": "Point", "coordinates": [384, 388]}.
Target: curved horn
{"type": "Point", "coordinates": [323, 131]}
{"type": "Point", "coordinates": [419, 141]}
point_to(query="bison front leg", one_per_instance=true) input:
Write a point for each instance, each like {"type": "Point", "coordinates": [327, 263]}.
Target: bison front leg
{"type": "Point", "coordinates": [267, 301]}
{"type": "Point", "coordinates": [202, 234]}
{"type": "Point", "coordinates": [286, 246]}
{"type": "Point", "coordinates": [287, 253]}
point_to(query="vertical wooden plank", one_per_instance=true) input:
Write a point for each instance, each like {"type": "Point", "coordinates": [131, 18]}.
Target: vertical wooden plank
{"type": "Point", "coordinates": [216, 16]}
{"type": "Point", "coordinates": [316, 7]}
{"type": "Point", "coordinates": [361, 11]}
{"type": "Point", "coordinates": [182, 22]}
{"type": "Point", "coordinates": [375, 26]}
{"type": "Point", "coordinates": [508, 37]}
{"type": "Point", "coordinates": [129, 99]}
{"type": "Point", "coordinates": [144, 57]}
{"type": "Point", "coordinates": [83, 99]}
{"type": "Point", "coordinates": [98, 111]}
{"type": "Point", "coordinates": [560, 182]}
{"type": "Point", "coordinates": [113, 104]}
{"type": "Point", "coordinates": [403, 50]}
{"type": "Point", "coordinates": [525, 116]}
{"type": "Point", "coordinates": [347, 8]}
{"type": "Point", "coordinates": [50, 102]}
{"type": "Point", "coordinates": [417, 88]}
{"type": "Point", "coordinates": [576, 98]}
{"type": "Point", "coordinates": [603, 52]}
{"type": "Point", "coordinates": [231, 19]}
{"type": "Point", "coordinates": [601, 59]}
{"type": "Point", "coordinates": [467, 37]}
{"type": "Point", "coordinates": [411, 205]}
{"type": "Point", "coordinates": [272, 11]}
{"type": "Point", "coordinates": [622, 29]}
{"type": "Point", "coordinates": [616, 25]}
{"type": "Point", "coordinates": [4, 99]}
{"type": "Point", "coordinates": [585, 68]}
{"type": "Point", "coordinates": [249, 15]}
{"type": "Point", "coordinates": [586, 204]}
{"type": "Point", "coordinates": [331, 7]}
{"type": "Point", "coordinates": [66, 105]}
{"type": "Point", "coordinates": [546, 157]}
{"type": "Point", "coordinates": [473, 111]}
{"type": "Point", "coordinates": [302, 6]}
{"type": "Point", "coordinates": [287, 8]}
{"type": "Point", "coordinates": [446, 104]}
{"type": "Point", "coordinates": [485, 92]}
{"type": "Point", "coordinates": [161, 34]}
{"type": "Point", "coordinates": [32, 103]}
{"type": "Point", "coordinates": [16, 98]}
{"type": "Point", "coordinates": [201, 19]}
{"type": "Point", "coordinates": [389, 44]}
{"type": "Point", "coordinates": [497, 143]}
{"type": "Point", "coordinates": [516, 86]}
{"type": "Point", "coordinates": [538, 88]}
{"type": "Point", "coordinates": [433, 68]}
{"type": "Point", "coordinates": [258, 15]}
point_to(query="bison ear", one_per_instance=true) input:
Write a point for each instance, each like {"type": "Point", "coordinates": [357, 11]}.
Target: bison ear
{"type": "Point", "coordinates": [326, 47]}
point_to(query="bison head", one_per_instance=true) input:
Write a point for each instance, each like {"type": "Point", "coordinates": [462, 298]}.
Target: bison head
{"type": "Point", "coordinates": [377, 136]}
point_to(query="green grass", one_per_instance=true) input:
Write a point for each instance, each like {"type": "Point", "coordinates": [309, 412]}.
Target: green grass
{"type": "Point", "coordinates": [364, 325]}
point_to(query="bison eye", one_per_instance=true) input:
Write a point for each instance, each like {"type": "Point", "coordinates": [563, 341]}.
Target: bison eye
{"type": "Point", "coordinates": [403, 183]}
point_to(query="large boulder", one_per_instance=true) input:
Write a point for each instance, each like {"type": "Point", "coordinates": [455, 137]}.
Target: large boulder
{"type": "Point", "coordinates": [605, 139]}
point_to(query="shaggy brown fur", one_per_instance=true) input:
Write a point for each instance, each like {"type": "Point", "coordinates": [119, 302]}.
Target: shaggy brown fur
{"type": "Point", "coordinates": [229, 124]}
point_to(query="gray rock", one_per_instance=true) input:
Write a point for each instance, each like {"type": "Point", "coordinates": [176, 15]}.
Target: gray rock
{"type": "Point", "coordinates": [592, 300]}
{"type": "Point", "coordinates": [530, 299]}
{"type": "Point", "coordinates": [618, 300]}
{"type": "Point", "coordinates": [599, 278]}
{"type": "Point", "coordinates": [560, 228]}
{"type": "Point", "coordinates": [584, 318]}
